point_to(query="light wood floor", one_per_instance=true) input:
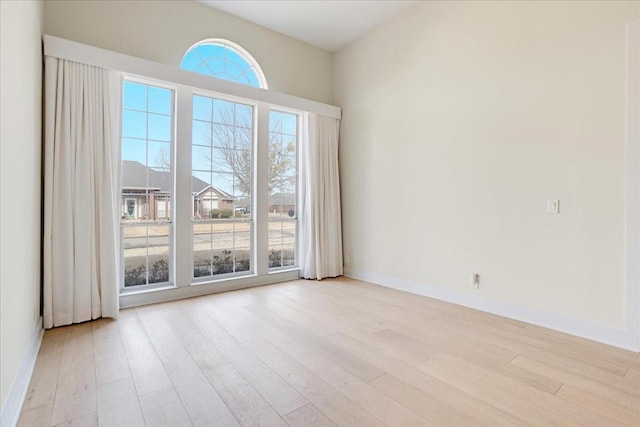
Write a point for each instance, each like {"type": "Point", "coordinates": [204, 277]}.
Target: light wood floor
{"type": "Point", "coordinates": [336, 352]}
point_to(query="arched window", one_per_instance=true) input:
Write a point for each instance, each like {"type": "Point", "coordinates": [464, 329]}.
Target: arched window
{"type": "Point", "coordinates": [224, 60]}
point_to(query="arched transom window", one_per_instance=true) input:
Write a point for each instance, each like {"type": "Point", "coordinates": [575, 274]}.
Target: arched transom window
{"type": "Point", "coordinates": [224, 60]}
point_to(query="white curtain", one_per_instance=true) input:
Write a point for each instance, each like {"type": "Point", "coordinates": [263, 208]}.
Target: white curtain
{"type": "Point", "coordinates": [81, 170]}
{"type": "Point", "coordinates": [320, 220]}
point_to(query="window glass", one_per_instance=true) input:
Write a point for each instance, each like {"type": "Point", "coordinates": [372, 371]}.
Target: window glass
{"type": "Point", "coordinates": [283, 195]}
{"type": "Point", "coordinates": [222, 176]}
{"type": "Point", "coordinates": [147, 184]}
{"type": "Point", "coordinates": [224, 60]}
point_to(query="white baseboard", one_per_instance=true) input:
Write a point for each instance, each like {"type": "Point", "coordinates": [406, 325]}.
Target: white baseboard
{"type": "Point", "coordinates": [604, 334]}
{"type": "Point", "coordinates": [11, 409]}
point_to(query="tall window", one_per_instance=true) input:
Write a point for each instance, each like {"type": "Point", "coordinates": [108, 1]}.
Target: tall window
{"type": "Point", "coordinates": [147, 183]}
{"type": "Point", "coordinates": [283, 212]}
{"type": "Point", "coordinates": [222, 169]}
{"type": "Point", "coordinates": [224, 60]}
{"type": "Point", "coordinates": [225, 200]}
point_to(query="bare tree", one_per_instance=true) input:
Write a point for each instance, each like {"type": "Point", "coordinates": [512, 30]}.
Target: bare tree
{"type": "Point", "coordinates": [281, 161]}
{"type": "Point", "coordinates": [232, 143]}
{"type": "Point", "coordinates": [163, 161]}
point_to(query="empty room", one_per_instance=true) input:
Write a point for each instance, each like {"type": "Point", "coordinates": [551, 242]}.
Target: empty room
{"type": "Point", "coordinates": [319, 213]}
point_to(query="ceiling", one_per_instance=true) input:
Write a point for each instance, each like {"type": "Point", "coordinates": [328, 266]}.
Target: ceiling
{"type": "Point", "coordinates": [328, 24]}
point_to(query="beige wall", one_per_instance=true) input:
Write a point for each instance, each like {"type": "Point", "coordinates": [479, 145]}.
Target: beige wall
{"type": "Point", "coordinates": [20, 157]}
{"type": "Point", "coordinates": [162, 31]}
{"type": "Point", "coordinates": [472, 115]}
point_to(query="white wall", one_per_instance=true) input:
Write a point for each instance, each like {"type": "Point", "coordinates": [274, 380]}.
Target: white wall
{"type": "Point", "coordinates": [20, 158]}
{"type": "Point", "coordinates": [460, 121]}
{"type": "Point", "coordinates": [162, 31]}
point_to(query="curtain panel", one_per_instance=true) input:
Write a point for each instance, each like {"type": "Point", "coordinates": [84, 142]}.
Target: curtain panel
{"type": "Point", "coordinates": [320, 222]}
{"type": "Point", "coordinates": [81, 181]}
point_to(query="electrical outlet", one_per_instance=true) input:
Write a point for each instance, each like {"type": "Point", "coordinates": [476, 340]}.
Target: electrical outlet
{"type": "Point", "coordinates": [475, 280]}
{"type": "Point", "coordinates": [553, 206]}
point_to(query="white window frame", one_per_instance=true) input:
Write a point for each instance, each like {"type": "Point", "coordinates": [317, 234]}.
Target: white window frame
{"type": "Point", "coordinates": [126, 77]}
{"type": "Point", "coordinates": [252, 222]}
{"type": "Point", "coordinates": [296, 265]}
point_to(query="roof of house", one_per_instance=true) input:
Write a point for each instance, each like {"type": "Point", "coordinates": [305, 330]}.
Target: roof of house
{"type": "Point", "coordinates": [134, 177]}
{"type": "Point", "coordinates": [224, 194]}
{"type": "Point", "coordinates": [284, 199]}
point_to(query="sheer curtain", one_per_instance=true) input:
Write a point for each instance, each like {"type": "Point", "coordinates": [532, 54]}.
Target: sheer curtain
{"type": "Point", "coordinates": [320, 220]}
{"type": "Point", "coordinates": [80, 193]}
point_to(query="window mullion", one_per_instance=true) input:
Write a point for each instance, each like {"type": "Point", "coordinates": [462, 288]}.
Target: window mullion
{"type": "Point", "coordinates": [260, 196]}
{"type": "Point", "coordinates": [183, 196]}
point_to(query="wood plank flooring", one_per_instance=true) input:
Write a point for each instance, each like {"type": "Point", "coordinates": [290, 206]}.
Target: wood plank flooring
{"type": "Point", "coordinates": [337, 352]}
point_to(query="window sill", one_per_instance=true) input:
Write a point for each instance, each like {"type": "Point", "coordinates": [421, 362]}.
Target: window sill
{"type": "Point", "coordinates": [284, 270]}
{"type": "Point", "coordinates": [170, 293]}
{"type": "Point", "coordinates": [147, 289]}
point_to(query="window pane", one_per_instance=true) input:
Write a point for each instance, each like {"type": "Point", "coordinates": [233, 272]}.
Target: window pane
{"type": "Point", "coordinates": [275, 234]}
{"type": "Point", "coordinates": [244, 115]}
{"type": "Point", "coordinates": [147, 183]}
{"type": "Point", "coordinates": [134, 150]}
{"type": "Point", "coordinates": [282, 189]}
{"type": "Point", "coordinates": [252, 79]}
{"type": "Point", "coordinates": [229, 245]}
{"type": "Point", "coordinates": [275, 144]}
{"type": "Point", "coordinates": [223, 246]}
{"type": "Point", "coordinates": [242, 246]}
{"type": "Point", "coordinates": [222, 60]}
{"type": "Point", "coordinates": [242, 184]}
{"type": "Point", "coordinates": [201, 132]}
{"type": "Point", "coordinates": [134, 124]}
{"type": "Point", "coordinates": [135, 256]}
{"type": "Point", "coordinates": [201, 179]}
{"type": "Point", "coordinates": [243, 139]}
{"type": "Point", "coordinates": [163, 207]}
{"type": "Point", "coordinates": [282, 243]}
{"type": "Point", "coordinates": [222, 159]}
{"type": "Point", "coordinates": [289, 145]}
{"type": "Point", "coordinates": [135, 96]}
{"type": "Point", "coordinates": [289, 124]}
{"type": "Point", "coordinates": [202, 249]}
{"type": "Point", "coordinates": [160, 156]}
{"type": "Point", "coordinates": [146, 255]}
{"type": "Point", "coordinates": [201, 157]}
{"type": "Point", "coordinates": [223, 135]}
{"type": "Point", "coordinates": [223, 112]}
{"type": "Point", "coordinates": [275, 121]}
{"type": "Point", "coordinates": [159, 100]}
{"type": "Point", "coordinates": [242, 261]}
{"type": "Point", "coordinates": [202, 108]}
{"type": "Point", "coordinates": [288, 181]}
{"type": "Point", "coordinates": [190, 61]}
{"type": "Point", "coordinates": [223, 182]}
{"type": "Point", "coordinates": [234, 57]}
{"type": "Point", "coordinates": [275, 256]}
{"type": "Point", "coordinates": [159, 127]}
{"type": "Point", "coordinates": [242, 232]}
{"type": "Point", "coordinates": [289, 237]}
{"type": "Point", "coordinates": [134, 177]}
{"type": "Point", "coordinates": [209, 51]}
{"type": "Point", "coordinates": [234, 71]}
{"type": "Point", "coordinates": [158, 254]}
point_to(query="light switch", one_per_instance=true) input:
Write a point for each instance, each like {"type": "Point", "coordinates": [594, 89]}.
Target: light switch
{"type": "Point", "coordinates": [553, 206]}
